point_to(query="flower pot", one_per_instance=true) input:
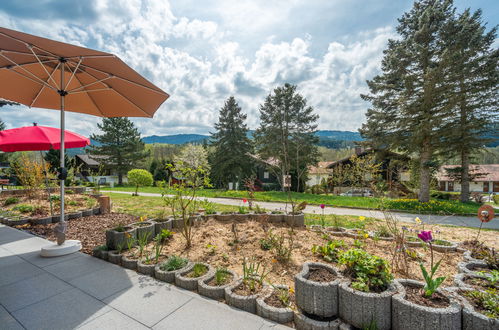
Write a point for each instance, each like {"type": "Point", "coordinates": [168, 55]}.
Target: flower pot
{"type": "Point", "coordinates": [460, 279]}
{"type": "Point", "coordinates": [246, 303]}
{"type": "Point", "coordinates": [473, 319]}
{"type": "Point", "coordinates": [213, 291]}
{"type": "Point", "coordinates": [467, 255]}
{"type": "Point", "coordinates": [146, 269]}
{"type": "Point", "coordinates": [74, 215]}
{"type": "Point", "coordinates": [114, 257]}
{"type": "Point", "coordinates": [317, 298]}
{"type": "Point", "coordinates": [451, 247]}
{"type": "Point", "coordinates": [308, 322]}
{"type": "Point", "coordinates": [316, 228]}
{"type": "Point", "coordinates": [128, 262]}
{"type": "Point", "coordinates": [243, 217]}
{"type": "Point", "coordinates": [361, 308]}
{"type": "Point", "coordinates": [114, 238]}
{"type": "Point", "coordinates": [471, 267]}
{"type": "Point", "coordinates": [144, 228]}
{"type": "Point", "coordinates": [276, 314]}
{"type": "Point", "coordinates": [96, 210]}
{"type": "Point", "coordinates": [191, 283]}
{"type": "Point", "coordinates": [409, 315]}
{"type": "Point", "coordinates": [87, 213]}
{"type": "Point", "coordinates": [41, 221]}
{"type": "Point", "coordinates": [414, 243]}
{"type": "Point", "coordinates": [167, 276]}
{"type": "Point", "coordinates": [178, 223]}
{"type": "Point", "coordinates": [295, 220]}
{"type": "Point", "coordinates": [161, 224]}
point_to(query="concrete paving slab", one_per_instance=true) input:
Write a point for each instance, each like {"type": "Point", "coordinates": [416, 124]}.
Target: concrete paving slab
{"type": "Point", "coordinates": [66, 310]}
{"type": "Point", "coordinates": [35, 258]}
{"type": "Point", "coordinates": [14, 269]}
{"type": "Point", "coordinates": [4, 252]}
{"type": "Point", "coordinates": [148, 301]}
{"type": "Point", "coordinates": [25, 245]}
{"type": "Point", "coordinates": [8, 235]}
{"type": "Point", "coordinates": [209, 315]}
{"type": "Point", "coordinates": [105, 282]}
{"type": "Point", "coordinates": [29, 291]}
{"type": "Point", "coordinates": [113, 320]}
{"type": "Point", "coordinates": [75, 267]}
{"type": "Point", "coordinates": [7, 322]}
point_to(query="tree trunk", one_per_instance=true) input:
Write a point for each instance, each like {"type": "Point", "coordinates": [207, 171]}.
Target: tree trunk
{"type": "Point", "coordinates": [120, 178]}
{"type": "Point", "coordinates": [424, 175]}
{"type": "Point", "coordinates": [465, 176]}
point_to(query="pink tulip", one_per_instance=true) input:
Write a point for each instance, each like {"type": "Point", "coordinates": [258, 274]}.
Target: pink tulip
{"type": "Point", "coordinates": [323, 206]}
{"type": "Point", "coordinates": [425, 236]}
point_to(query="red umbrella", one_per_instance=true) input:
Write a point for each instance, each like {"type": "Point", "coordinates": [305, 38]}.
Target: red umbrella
{"type": "Point", "coordinates": [34, 138]}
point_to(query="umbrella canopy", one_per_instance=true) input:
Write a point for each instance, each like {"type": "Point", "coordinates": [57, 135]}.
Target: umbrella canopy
{"type": "Point", "coordinates": [34, 138]}
{"type": "Point", "coordinates": [35, 71]}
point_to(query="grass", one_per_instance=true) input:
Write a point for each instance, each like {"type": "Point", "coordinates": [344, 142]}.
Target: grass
{"type": "Point", "coordinates": [443, 207]}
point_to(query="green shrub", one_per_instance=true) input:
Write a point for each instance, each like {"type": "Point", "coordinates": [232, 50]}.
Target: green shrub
{"type": "Point", "coordinates": [368, 272]}
{"type": "Point", "coordinates": [330, 251]}
{"type": "Point", "coordinates": [55, 198]}
{"type": "Point", "coordinates": [487, 301]}
{"type": "Point", "coordinates": [222, 276]}
{"type": "Point", "coordinates": [69, 192]}
{"type": "Point", "coordinates": [496, 199]}
{"type": "Point", "coordinates": [433, 206]}
{"type": "Point", "coordinates": [10, 201]}
{"type": "Point", "coordinates": [174, 263]}
{"type": "Point", "coordinates": [139, 177]}
{"type": "Point", "coordinates": [24, 208]}
{"type": "Point", "coordinates": [199, 270]}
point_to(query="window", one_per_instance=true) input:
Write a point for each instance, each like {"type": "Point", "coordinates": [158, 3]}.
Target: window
{"type": "Point", "coordinates": [450, 186]}
{"type": "Point", "coordinates": [486, 186]}
{"type": "Point", "coordinates": [495, 186]}
{"type": "Point", "coordinates": [442, 185]}
{"type": "Point", "coordinates": [266, 175]}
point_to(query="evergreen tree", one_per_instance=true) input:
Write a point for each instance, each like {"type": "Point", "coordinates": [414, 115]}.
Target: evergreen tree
{"type": "Point", "coordinates": [471, 79]}
{"type": "Point", "coordinates": [53, 157]}
{"type": "Point", "coordinates": [408, 109]}
{"type": "Point", "coordinates": [229, 159]}
{"type": "Point", "coordinates": [120, 143]}
{"type": "Point", "coordinates": [287, 134]}
{"type": "Point", "coordinates": [2, 125]}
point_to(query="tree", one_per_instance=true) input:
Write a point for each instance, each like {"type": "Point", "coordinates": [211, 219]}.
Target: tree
{"type": "Point", "coordinates": [120, 143]}
{"type": "Point", "coordinates": [230, 160]}
{"type": "Point", "coordinates": [287, 134]}
{"type": "Point", "coordinates": [472, 78]}
{"type": "Point", "coordinates": [2, 125]}
{"type": "Point", "coordinates": [53, 158]}
{"type": "Point", "coordinates": [408, 109]}
{"type": "Point", "coordinates": [193, 156]}
{"type": "Point", "coordinates": [139, 177]}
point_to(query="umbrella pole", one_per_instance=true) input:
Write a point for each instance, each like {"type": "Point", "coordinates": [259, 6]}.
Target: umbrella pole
{"type": "Point", "coordinates": [62, 173]}
{"type": "Point", "coordinates": [47, 183]}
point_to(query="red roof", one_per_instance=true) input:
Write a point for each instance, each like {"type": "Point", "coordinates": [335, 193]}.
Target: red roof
{"type": "Point", "coordinates": [321, 168]}
{"type": "Point", "coordinates": [490, 172]}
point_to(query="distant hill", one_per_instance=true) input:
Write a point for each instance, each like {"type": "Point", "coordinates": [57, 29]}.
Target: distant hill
{"type": "Point", "coordinates": [175, 139]}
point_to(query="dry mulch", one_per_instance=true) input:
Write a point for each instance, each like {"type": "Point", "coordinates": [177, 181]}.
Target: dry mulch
{"type": "Point", "coordinates": [274, 301]}
{"type": "Point", "coordinates": [320, 275]}
{"type": "Point", "coordinates": [244, 290]}
{"type": "Point", "coordinates": [415, 295]}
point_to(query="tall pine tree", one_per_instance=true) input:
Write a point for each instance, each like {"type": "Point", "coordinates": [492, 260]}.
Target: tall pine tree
{"type": "Point", "coordinates": [120, 143]}
{"type": "Point", "coordinates": [229, 160]}
{"type": "Point", "coordinates": [2, 125]}
{"type": "Point", "coordinates": [408, 110]}
{"type": "Point", "coordinates": [287, 134]}
{"type": "Point", "coordinates": [471, 81]}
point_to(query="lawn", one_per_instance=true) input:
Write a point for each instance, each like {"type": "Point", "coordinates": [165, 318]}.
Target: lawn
{"type": "Point", "coordinates": [444, 207]}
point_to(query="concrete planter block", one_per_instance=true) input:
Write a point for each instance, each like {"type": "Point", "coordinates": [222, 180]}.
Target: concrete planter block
{"type": "Point", "coordinates": [19, 222]}
{"type": "Point", "coordinates": [414, 243]}
{"type": "Point", "coordinates": [74, 215]}
{"type": "Point", "coordinates": [214, 292]}
{"type": "Point", "coordinates": [87, 213]}
{"type": "Point", "coordinates": [104, 254]}
{"type": "Point", "coordinates": [114, 238]}
{"type": "Point", "coordinates": [191, 283]}
{"type": "Point", "coordinates": [167, 276]}
{"type": "Point", "coordinates": [360, 308]}
{"type": "Point", "coordinates": [279, 315]}
{"type": "Point", "coordinates": [242, 217]}
{"type": "Point", "coordinates": [459, 279]}
{"type": "Point", "coordinates": [303, 322]}
{"type": "Point", "coordinates": [96, 210]}
{"type": "Point", "coordinates": [224, 217]}
{"type": "Point", "coordinates": [145, 228]}
{"type": "Point", "coordinates": [129, 262]}
{"type": "Point", "coordinates": [114, 257]}
{"type": "Point", "coordinates": [408, 315]}
{"type": "Point", "coordinates": [96, 252]}
{"type": "Point", "coordinates": [57, 218]}
{"type": "Point", "coordinates": [41, 221]}
{"type": "Point", "coordinates": [316, 228]}
{"type": "Point", "coordinates": [316, 298]}
{"type": "Point", "coordinates": [161, 224]}
{"type": "Point", "coordinates": [178, 223]}
{"type": "Point", "coordinates": [276, 218]}
{"type": "Point", "coordinates": [339, 232]}
{"type": "Point", "coordinates": [146, 269]}
{"type": "Point", "coordinates": [445, 248]}
{"type": "Point", "coordinates": [470, 267]}
{"type": "Point", "coordinates": [246, 303]}
{"type": "Point", "coordinates": [473, 319]}
{"type": "Point", "coordinates": [296, 220]}
{"type": "Point", "coordinates": [467, 257]}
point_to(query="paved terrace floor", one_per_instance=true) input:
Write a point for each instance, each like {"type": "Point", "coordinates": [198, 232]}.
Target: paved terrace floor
{"type": "Point", "coordinates": [464, 221]}
{"type": "Point", "coordinates": [80, 291]}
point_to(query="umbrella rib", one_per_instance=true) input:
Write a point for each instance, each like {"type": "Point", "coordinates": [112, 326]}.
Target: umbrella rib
{"type": "Point", "coordinates": [90, 84]}
{"type": "Point", "coordinates": [23, 53]}
{"type": "Point", "coordinates": [27, 44]}
{"type": "Point", "coordinates": [43, 66]}
{"type": "Point", "coordinates": [27, 63]}
{"type": "Point", "coordinates": [91, 90]}
{"type": "Point", "coordinates": [43, 86]}
{"type": "Point", "coordinates": [73, 73]}
{"type": "Point", "coordinates": [29, 73]}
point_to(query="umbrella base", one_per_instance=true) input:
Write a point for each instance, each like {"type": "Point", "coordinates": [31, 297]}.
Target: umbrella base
{"type": "Point", "coordinates": [54, 250]}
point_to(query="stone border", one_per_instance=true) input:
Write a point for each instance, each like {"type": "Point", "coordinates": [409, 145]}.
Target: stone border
{"type": "Point", "coordinates": [445, 248]}
{"type": "Point", "coordinates": [467, 267]}
{"type": "Point", "coordinates": [113, 237]}
{"type": "Point", "coordinates": [129, 263]}
{"type": "Point", "coordinates": [408, 315]}
{"type": "Point", "coordinates": [167, 276]}
{"type": "Point", "coordinates": [144, 268]}
{"type": "Point", "coordinates": [303, 322]}
{"type": "Point", "coordinates": [276, 314]}
{"type": "Point", "coordinates": [246, 303]}
{"type": "Point", "coordinates": [473, 319]}
{"type": "Point", "coordinates": [159, 225]}
{"type": "Point", "coordinates": [114, 257]}
{"type": "Point", "coordinates": [191, 283]}
{"type": "Point", "coordinates": [143, 230]}
{"type": "Point", "coordinates": [74, 215]}
{"type": "Point", "coordinates": [215, 292]}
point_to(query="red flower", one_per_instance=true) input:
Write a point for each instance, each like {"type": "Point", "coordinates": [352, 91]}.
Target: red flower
{"type": "Point", "coordinates": [425, 236]}
{"type": "Point", "coordinates": [323, 206]}
{"type": "Point", "coordinates": [244, 200]}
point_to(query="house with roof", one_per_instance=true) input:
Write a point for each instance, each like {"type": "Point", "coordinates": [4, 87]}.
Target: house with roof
{"type": "Point", "coordinates": [90, 169]}
{"type": "Point", "coordinates": [484, 178]}
{"type": "Point", "coordinates": [318, 173]}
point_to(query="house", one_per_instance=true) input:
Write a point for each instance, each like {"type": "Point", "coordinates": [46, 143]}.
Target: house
{"type": "Point", "coordinates": [265, 177]}
{"type": "Point", "coordinates": [90, 170]}
{"type": "Point", "coordinates": [318, 173]}
{"type": "Point", "coordinates": [484, 178]}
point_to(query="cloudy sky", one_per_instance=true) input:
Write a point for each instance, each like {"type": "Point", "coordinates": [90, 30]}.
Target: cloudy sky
{"type": "Point", "coordinates": [201, 52]}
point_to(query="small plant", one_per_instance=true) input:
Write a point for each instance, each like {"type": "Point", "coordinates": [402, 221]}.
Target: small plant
{"type": "Point", "coordinates": [243, 210]}
{"type": "Point", "coordinates": [72, 203]}
{"type": "Point", "coordinates": [492, 276]}
{"type": "Point", "coordinates": [142, 242]}
{"type": "Point", "coordinates": [198, 270]}
{"type": "Point", "coordinates": [222, 276]}
{"type": "Point", "coordinates": [212, 249]}
{"type": "Point", "coordinates": [368, 272]}
{"type": "Point", "coordinates": [102, 248]}
{"type": "Point", "coordinates": [165, 235]}
{"type": "Point", "coordinates": [158, 247]}
{"type": "Point", "coordinates": [298, 209]}
{"type": "Point", "coordinates": [10, 201]}
{"type": "Point", "coordinates": [486, 301]}
{"type": "Point", "coordinates": [266, 244]}
{"type": "Point", "coordinates": [323, 217]}
{"type": "Point", "coordinates": [383, 231]}
{"type": "Point", "coordinates": [357, 243]}
{"type": "Point", "coordinates": [69, 192]}
{"type": "Point", "coordinates": [330, 251]}
{"type": "Point", "coordinates": [258, 209]}
{"type": "Point", "coordinates": [431, 283]}
{"type": "Point", "coordinates": [209, 207]}
{"type": "Point", "coordinates": [120, 227]}
{"type": "Point", "coordinates": [253, 276]}
{"type": "Point", "coordinates": [174, 263]}
{"type": "Point", "coordinates": [130, 241]}
{"type": "Point", "coordinates": [23, 208]}
{"type": "Point", "coordinates": [55, 198]}
{"type": "Point", "coordinates": [491, 257]}
{"type": "Point", "coordinates": [284, 295]}
{"type": "Point", "coordinates": [225, 257]}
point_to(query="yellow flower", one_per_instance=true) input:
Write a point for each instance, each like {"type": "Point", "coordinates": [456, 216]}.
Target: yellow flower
{"type": "Point", "coordinates": [362, 218]}
{"type": "Point", "coordinates": [127, 235]}
{"type": "Point", "coordinates": [291, 290]}
{"type": "Point", "coordinates": [366, 235]}
{"type": "Point", "coordinates": [274, 260]}
{"type": "Point", "coordinates": [418, 220]}
{"type": "Point", "coordinates": [141, 219]}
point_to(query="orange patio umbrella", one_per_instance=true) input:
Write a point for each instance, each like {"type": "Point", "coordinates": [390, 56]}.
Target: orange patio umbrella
{"type": "Point", "coordinates": [44, 73]}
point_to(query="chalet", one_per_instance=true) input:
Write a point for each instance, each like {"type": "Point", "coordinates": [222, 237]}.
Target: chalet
{"type": "Point", "coordinates": [484, 178]}
{"type": "Point", "coordinates": [318, 173]}
{"type": "Point", "coordinates": [90, 170]}
{"type": "Point", "coordinates": [265, 178]}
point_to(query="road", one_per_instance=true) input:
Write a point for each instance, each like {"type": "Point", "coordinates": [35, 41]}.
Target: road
{"type": "Point", "coordinates": [464, 221]}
